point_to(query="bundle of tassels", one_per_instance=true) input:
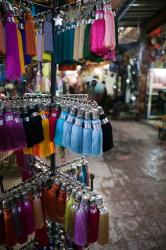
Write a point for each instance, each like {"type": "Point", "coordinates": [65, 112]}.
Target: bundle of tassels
{"type": "Point", "coordinates": [83, 131]}
{"type": "Point", "coordinates": [61, 199]}
{"type": "Point", "coordinates": [104, 24]}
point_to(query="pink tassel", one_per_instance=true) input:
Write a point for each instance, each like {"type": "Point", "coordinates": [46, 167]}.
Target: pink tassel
{"type": "Point", "coordinates": [109, 38]}
{"type": "Point", "coordinates": [97, 34]}
{"type": "Point", "coordinates": [13, 69]}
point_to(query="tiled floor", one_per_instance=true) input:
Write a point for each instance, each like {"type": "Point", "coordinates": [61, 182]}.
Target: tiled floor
{"type": "Point", "coordinates": [132, 180]}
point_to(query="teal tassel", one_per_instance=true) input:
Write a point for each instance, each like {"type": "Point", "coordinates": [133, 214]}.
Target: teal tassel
{"type": "Point", "coordinates": [87, 138]}
{"type": "Point", "coordinates": [77, 136]}
{"type": "Point", "coordinates": [97, 138]}
{"type": "Point", "coordinates": [67, 128]}
{"type": "Point", "coordinates": [59, 128]}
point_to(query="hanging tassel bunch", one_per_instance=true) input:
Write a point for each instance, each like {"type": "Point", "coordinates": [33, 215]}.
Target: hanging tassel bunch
{"type": "Point", "coordinates": [82, 131]}
{"type": "Point", "coordinates": [61, 199]}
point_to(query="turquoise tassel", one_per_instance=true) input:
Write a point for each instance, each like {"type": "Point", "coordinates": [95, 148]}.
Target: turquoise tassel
{"type": "Point", "coordinates": [59, 128]}
{"type": "Point", "coordinates": [97, 138]}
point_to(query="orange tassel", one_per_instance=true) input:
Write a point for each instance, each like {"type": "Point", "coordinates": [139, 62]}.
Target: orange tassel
{"type": "Point", "coordinates": [2, 39]}
{"type": "Point", "coordinates": [20, 48]}
{"type": "Point", "coordinates": [61, 204]}
{"type": "Point", "coordinates": [10, 233]}
{"type": "Point", "coordinates": [51, 199]}
{"type": "Point", "coordinates": [30, 35]}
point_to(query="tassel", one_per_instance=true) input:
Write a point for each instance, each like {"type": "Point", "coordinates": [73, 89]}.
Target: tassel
{"type": "Point", "coordinates": [80, 229]}
{"type": "Point", "coordinates": [76, 43]}
{"type": "Point", "coordinates": [13, 70]}
{"type": "Point", "coordinates": [103, 234]}
{"type": "Point", "coordinates": [81, 41]}
{"type": "Point", "coordinates": [44, 198]}
{"type": "Point", "coordinates": [38, 212]}
{"type": "Point", "coordinates": [96, 40]}
{"type": "Point", "coordinates": [46, 147]}
{"type": "Point", "coordinates": [107, 131]}
{"type": "Point", "coordinates": [37, 134]}
{"type": "Point", "coordinates": [23, 163]}
{"type": "Point", "coordinates": [77, 133]}
{"type": "Point", "coordinates": [67, 128]}
{"type": "Point", "coordinates": [40, 43]}
{"type": "Point", "coordinates": [29, 216]}
{"type": "Point", "coordinates": [48, 35]}
{"type": "Point", "coordinates": [2, 39]}
{"type": "Point", "coordinates": [59, 127]}
{"type": "Point", "coordinates": [85, 173]}
{"type": "Point", "coordinates": [19, 132]}
{"type": "Point", "coordinates": [109, 38]}
{"type": "Point", "coordinates": [41, 236]}
{"type": "Point", "coordinates": [71, 216]}
{"type": "Point", "coordinates": [2, 227]}
{"type": "Point", "coordinates": [61, 202]}
{"type": "Point", "coordinates": [10, 234]}
{"type": "Point", "coordinates": [80, 176]}
{"type": "Point", "coordinates": [15, 217]}
{"type": "Point", "coordinates": [51, 200]}
{"type": "Point", "coordinates": [4, 142]}
{"type": "Point", "coordinates": [87, 134]}
{"type": "Point", "coordinates": [20, 48]}
{"type": "Point", "coordinates": [23, 237]}
{"type": "Point", "coordinates": [97, 135]}
{"type": "Point", "coordinates": [93, 221]}
{"type": "Point", "coordinates": [10, 130]}
{"type": "Point", "coordinates": [27, 58]}
{"type": "Point", "coordinates": [52, 122]}
{"type": "Point", "coordinates": [30, 35]}
{"type": "Point", "coordinates": [69, 204]}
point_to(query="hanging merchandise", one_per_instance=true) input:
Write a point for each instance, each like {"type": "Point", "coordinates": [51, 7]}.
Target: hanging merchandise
{"type": "Point", "coordinates": [68, 202]}
{"type": "Point", "coordinates": [2, 39]}
{"type": "Point", "coordinates": [30, 125]}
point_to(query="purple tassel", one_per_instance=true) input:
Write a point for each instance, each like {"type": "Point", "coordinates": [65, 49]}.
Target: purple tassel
{"type": "Point", "coordinates": [13, 70]}
{"type": "Point", "coordinates": [10, 131]}
{"type": "Point", "coordinates": [27, 58]}
{"type": "Point", "coordinates": [19, 132]}
{"type": "Point", "coordinates": [3, 135]}
{"type": "Point", "coordinates": [80, 230]}
{"type": "Point", "coordinates": [39, 44]}
{"type": "Point", "coordinates": [48, 36]}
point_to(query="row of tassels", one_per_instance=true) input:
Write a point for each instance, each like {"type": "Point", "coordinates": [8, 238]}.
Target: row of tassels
{"type": "Point", "coordinates": [36, 132]}
{"type": "Point", "coordinates": [82, 213]}
{"type": "Point", "coordinates": [95, 42]}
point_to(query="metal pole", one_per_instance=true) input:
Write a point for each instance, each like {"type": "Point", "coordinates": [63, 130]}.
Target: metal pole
{"type": "Point", "coordinates": [53, 75]}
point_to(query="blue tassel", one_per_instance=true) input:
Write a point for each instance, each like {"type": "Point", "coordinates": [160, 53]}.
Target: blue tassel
{"type": "Point", "coordinates": [59, 128]}
{"type": "Point", "coordinates": [87, 138]}
{"type": "Point", "coordinates": [97, 138]}
{"type": "Point", "coordinates": [85, 173]}
{"type": "Point", "coordinates": [67, 128]}
{"type": "Point", "coordinates": [77, 136]}
{"type": "Point", "coordinates": [80, 176]}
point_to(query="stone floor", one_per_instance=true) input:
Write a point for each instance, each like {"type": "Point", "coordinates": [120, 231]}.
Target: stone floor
{"type": "Point", "coordinates": [132, 180]}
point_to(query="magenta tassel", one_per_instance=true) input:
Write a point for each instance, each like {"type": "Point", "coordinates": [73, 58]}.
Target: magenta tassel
{"type": "Point", "coordinates": [23, 237]}
{"type": "Point", "coordinates": [10, 131]}
{"type": "Point", "coordinates": [13, 70]}
{"type": "Point", "coordinates": [93, 222]}
{"type": "Point", "coordinates": [19, 132]}
{"type": "Point", "coordinates": [3, 135]}
{"type": "Point", "coordinates": [97, 34]}
{"type": "Point", "coordinates": [29, 216]}
{"type": "Point", "coordinates": [80, 229]}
